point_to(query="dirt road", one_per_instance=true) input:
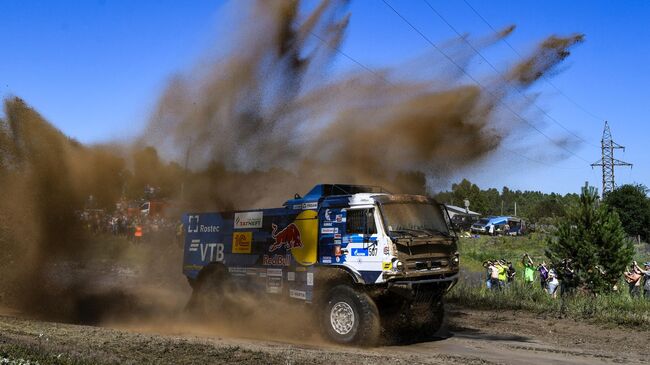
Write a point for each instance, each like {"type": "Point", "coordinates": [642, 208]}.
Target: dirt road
{"type": "Point", "coordinates": [473, 337]}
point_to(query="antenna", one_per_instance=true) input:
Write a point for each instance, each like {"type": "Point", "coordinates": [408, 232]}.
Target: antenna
{"type": "Point", "coordinates": [608, 161]}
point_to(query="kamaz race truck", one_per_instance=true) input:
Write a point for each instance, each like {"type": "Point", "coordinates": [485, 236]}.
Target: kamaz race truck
{"type": "Point", "coordinates": [364, 259]}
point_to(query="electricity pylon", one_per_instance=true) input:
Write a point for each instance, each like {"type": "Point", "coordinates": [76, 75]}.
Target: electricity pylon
{"type": "Point", "coordinates": [608, 161]}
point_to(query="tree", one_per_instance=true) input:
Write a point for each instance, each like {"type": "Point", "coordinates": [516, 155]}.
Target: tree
{"type": "Point", "coordinates": [633, 207]}
{"type": "Point", "coordinates": [593, 237]}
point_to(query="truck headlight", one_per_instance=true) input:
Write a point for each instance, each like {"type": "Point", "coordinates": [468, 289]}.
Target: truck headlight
{"type": "Point", "coordinates": [455, 261]}
{"type": "Point", "coordinates": [399, 265]}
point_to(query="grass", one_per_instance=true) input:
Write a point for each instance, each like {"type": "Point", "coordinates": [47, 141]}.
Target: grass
{"type": "Point", "coordinates": [614, 308]}
{"type": "Point", "coordinates": [474, 251]}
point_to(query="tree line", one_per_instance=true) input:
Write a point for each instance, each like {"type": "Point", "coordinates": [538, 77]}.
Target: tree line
{"type": "Point", "coordinates": [629, 201]}
{"type": "Point", "coordinates": [532, 205]}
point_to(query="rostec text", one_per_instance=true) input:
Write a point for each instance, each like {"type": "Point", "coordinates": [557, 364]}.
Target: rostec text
{"type": "Point", "coordinates": [208, 229]}
{"type": "Point", "coordinates": [212, 252]}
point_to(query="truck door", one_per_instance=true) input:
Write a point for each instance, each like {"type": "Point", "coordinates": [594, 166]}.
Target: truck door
{"type": "Point", "coordinates": [361, 232]}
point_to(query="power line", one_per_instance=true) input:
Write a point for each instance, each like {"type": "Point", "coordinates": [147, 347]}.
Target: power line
{"type": "Point", "coordinates": [502, 76]}
{"type": "Point", "coordinates": [571, 100]}
{"type": "Point", "coordinates": [352, 59]}
{"type": "Point", "coordinates": [479, 84]}
{"type": "Point", "coordinates": [369, 70]}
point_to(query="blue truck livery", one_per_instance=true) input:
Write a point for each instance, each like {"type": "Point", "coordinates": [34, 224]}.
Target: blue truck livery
{"type": "Point", "coordinates": [362, 257]}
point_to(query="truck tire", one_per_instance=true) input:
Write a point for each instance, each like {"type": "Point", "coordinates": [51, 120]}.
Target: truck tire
{"type": "Point", "coordinates": [432, 319]}
{"type": "Point", "coordinates": [351, 317]}
{"type": "Point", "coordinates": [209, 297]}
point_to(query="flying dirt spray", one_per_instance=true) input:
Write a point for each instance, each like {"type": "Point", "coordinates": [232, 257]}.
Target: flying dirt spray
{"type": "Point", "coordinates": [261, 122]}
{"type": "Point", "coordinates": [267, 106]}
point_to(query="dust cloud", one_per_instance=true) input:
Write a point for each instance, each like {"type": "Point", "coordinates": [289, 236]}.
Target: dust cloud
{"type": "Point", "coordinates": [266, 119]}
{"type": "Point", "coordinates": [266, 108]}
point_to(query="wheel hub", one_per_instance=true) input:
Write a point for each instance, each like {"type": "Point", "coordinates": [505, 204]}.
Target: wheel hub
{"type": "Point", "coordinates": [342, 318]}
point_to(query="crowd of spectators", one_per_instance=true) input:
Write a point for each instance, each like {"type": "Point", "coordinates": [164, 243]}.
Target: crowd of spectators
{"type": "Point", "coordinates": [135, 227]}
{"type": "Point", "coordinates": [561, 278]}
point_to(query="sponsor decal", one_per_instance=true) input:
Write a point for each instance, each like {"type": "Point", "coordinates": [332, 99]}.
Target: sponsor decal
{"type": "Point", "coordinates": [297, 206]}
{"type": "Point", "coordinates": [242, 242]}
{"type": "Point", "coordinates": [327, 224]}
{"type": "Point", "coordinates": [274, 284]}
{"type": "Point", "coordinates": [312, 205]}
{"type": "Point", "coordinates": [193, 224]}
{"type": "Point", "coordinates": [359, 252]}
{"type": "Point", "coordinates": [251, 271]}
{"type": "Point", "coordinates": [209, 229]}
{"type": "Point", "coordinates": [298, 294]}
{"type": "Point", "coordinates": [288, 237]}
{"type": "Point", "coordinates": [291, 276]}
{"type": "Point", "coordinates": [237, 271]}
{"type": "Point", "coordinates": [276, 260]}
{"type": "Point", "coordinates": [386, 265]}
{"type": "Point", "coordinates": [327, 230]}
{"type": "Point", "coordinates": [326, 259]}
{"type": "Point", "coordinates": [194, 246]}
{"type": "Point", "coordinates": [327, 215]}
{"type": "Point", "coordinates": [248, 220]}
{"type": "Point", "coordinates": [338, 235]}
{"type": "Point", "coordinates": [211, 251]}
{"type": "Point", "coordinates": [346, 239]}
{"type": "Point", "coordinates": [274, 272]}
{"type": "Point", "coordinates": [339, 218]}
{"type": "Point", "coordinates": [310, 279]}
{"type": "Point", "coordinates": [386, 250]}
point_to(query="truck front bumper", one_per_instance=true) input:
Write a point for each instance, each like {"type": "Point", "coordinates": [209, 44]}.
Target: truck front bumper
{"type": "Point", "coordinates": [443, 279]}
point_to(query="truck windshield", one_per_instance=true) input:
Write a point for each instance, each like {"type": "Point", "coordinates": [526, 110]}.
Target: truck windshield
{"type": "Point", "coordinates": [414, 218]}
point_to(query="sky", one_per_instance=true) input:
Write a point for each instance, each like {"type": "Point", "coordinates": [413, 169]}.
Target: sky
{"type": "Point", "coordinates": [95, 69]}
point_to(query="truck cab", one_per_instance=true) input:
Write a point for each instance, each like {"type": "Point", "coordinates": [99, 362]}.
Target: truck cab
{"type": "Point", "coordinates": [335, 245]}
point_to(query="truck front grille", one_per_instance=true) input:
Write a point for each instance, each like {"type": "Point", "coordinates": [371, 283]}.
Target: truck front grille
{"type": "Point", "coordinates": [425, 254]}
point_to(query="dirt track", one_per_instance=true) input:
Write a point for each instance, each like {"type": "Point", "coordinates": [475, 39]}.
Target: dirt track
{"type": "Point", "coordinates": [473, 337]}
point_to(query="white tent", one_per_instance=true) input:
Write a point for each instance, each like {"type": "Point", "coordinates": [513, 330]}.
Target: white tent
{"type": "Point", "coordinates": [453, 210]}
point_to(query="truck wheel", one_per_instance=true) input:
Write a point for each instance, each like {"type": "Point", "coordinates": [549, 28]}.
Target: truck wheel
{"type": "Point", "coordinates": [351, 317]}
{"type": "Point", "coordinates": [432, 319]}
{"type": "Point", "coordinates": [210, 292]}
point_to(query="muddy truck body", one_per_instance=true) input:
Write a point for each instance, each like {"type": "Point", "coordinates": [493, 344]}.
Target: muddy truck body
{"type": "Point", "coordinates": [365, 260]}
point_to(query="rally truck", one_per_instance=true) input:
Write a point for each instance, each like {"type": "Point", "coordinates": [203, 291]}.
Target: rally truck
{"type": "Point", "coordinates": [364, 259]}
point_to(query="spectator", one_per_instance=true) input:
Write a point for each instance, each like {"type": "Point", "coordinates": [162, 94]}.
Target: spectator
{"type": "Point", "coordinates": [488, 282]}
{"type": "Point", "coordinates": [529, 269]}
{"type": "Point", "coordinates": [494, 276]}
{"type": "Point", "coordinates": [568, 275]}
{"type": "Point", "coordinates": [503, 273]}
{"type": "Point", "coordinates": [646, 278]}
{"type": "Point", "coordinates": [511, 273]}
{"type": "Point", "coordinates": [633, 279]}
{"type": "Point", "coordinates": [543, 274]}
{"type": "Point", "coordinates": [552, 283]}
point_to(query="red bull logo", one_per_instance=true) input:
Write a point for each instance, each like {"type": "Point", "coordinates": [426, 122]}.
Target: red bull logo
{"type": "Point", "coordinates": [288, 237]}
